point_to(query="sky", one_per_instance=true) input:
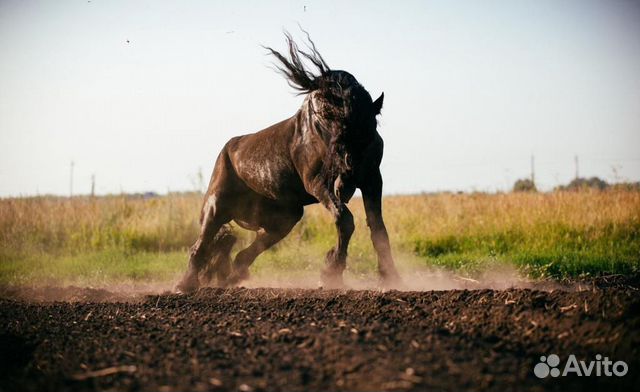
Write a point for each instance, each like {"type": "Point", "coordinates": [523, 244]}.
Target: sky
{"type": "Point", "coordinates": [143, 94]}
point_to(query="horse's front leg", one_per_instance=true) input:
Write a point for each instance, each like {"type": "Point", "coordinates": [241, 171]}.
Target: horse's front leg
{"type": "Point", "coordinates": [372, 197]}
{"type": "Point", "coordinates": [335, 261]}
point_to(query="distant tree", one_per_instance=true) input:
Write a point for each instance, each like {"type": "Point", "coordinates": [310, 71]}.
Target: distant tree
{"type": "Point", "coordinates": [626, 186]}
{"type": "Point", "coordinates": [581, 183]}
{"type": "Point", "coordinates": [524, 185]}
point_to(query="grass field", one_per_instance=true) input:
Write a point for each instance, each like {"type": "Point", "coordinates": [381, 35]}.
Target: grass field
{"type": "Point", "coordinates": [106, 240]}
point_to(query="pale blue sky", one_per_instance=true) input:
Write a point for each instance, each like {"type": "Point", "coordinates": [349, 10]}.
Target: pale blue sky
{"type": "Point", "coordinates": [472, 88]}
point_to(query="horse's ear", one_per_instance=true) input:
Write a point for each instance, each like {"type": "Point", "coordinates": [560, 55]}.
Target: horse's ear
{"type": "Point", "coordinates": [377, 104]}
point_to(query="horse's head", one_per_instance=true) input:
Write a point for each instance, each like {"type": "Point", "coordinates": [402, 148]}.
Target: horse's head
{"type": "Point", "coordinates": [340, 106]}
{"type": "Point", "coordinates": [344, 107]}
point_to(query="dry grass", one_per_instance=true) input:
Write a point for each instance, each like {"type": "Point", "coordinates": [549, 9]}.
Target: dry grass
{"type": "Point", "coordinates": [80, 224]}
{"type": "Point", "coordinates": [557, 234]}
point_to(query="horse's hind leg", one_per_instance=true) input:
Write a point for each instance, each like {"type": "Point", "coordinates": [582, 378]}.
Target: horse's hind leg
{"type": "Point", "coordinates": [264, 240]}
{"type": "Point", "coordinates": [220, 264]}
{"type": "Point", "coordinates": [280, 224]}
{"type": "Point", "coordinates": [204, 248]}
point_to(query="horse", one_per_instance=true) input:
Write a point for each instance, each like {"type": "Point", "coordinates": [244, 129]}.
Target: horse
{"type": "Point", "coordinates": [263, 180]}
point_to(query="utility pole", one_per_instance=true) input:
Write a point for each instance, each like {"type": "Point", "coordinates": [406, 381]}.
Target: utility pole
{"type": "Point", "coordinates": [533, 175]}
{"type": "Point", "coordinates": [93, 185]}
{"type": "Point", "coordinates": [577, 166]}
{"type": "Point", "coordinates": [71, 180]}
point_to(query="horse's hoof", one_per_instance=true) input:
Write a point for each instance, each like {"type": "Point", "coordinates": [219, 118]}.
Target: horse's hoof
{"type": "Point", "coordinates": [182, 290]}
{"type": "Point", "coordinates": [186, 286]}
{"type": "Point", "coordinates": [236, 277]}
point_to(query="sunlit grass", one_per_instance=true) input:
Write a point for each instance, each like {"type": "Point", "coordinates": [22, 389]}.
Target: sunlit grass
{"type": "Point", "coordinates": [94, 241]}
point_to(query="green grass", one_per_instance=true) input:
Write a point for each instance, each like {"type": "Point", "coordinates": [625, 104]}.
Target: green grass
{"type": "Point", "coordinates": [557, 251]}
{"type": "Point", "coordinates": [95, 268]}
{"type": "Point", "coordinates": [105, 241]}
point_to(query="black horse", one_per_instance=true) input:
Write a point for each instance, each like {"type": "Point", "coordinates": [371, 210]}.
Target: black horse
{"type": "Point", "coordinates": [263, 180]}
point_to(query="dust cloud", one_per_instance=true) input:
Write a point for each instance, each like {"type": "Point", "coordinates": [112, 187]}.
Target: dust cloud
{"type": "Point", "coordinates": [413, 279]}
{"type": "Point", "coordinates": [416, 279]}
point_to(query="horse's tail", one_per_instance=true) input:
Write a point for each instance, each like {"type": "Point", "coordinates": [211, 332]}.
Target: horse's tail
{"type": "Point", "coordinates": [220, 263]}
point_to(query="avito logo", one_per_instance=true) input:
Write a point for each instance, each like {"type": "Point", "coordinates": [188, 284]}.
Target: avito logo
{"type": "Point", "coordinates": [548, 366]}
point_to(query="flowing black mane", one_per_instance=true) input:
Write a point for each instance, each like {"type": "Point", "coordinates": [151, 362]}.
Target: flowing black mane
{"type": "Point", "coordinates": [294, 70]}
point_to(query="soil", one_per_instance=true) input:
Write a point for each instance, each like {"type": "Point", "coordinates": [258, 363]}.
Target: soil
{"type": "Point", "coordinates": [315, 340]}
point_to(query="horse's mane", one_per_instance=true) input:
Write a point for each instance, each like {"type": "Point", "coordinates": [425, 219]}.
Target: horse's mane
{"type": "Point", "coordinates": [293, 68]}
